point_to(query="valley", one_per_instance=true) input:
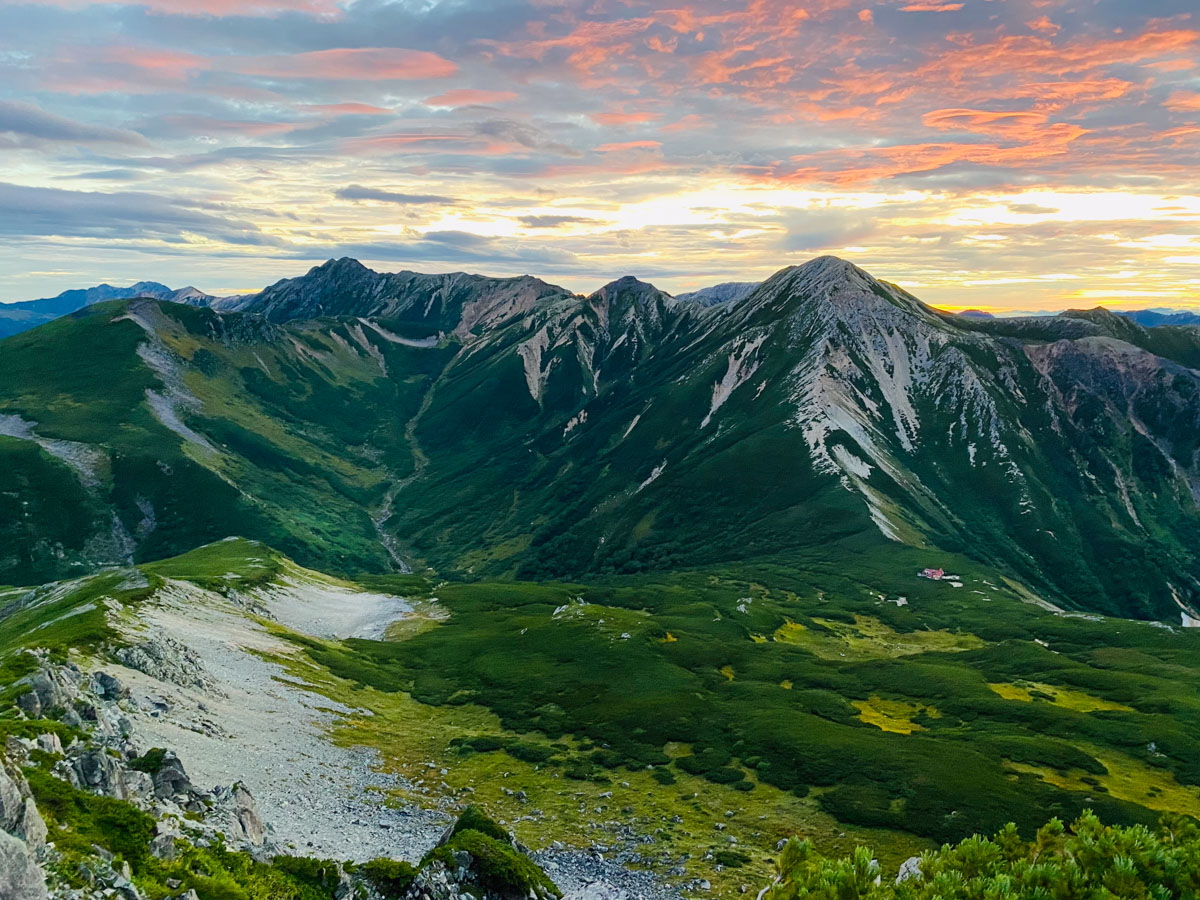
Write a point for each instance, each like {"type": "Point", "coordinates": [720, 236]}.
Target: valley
{"type": "Point", "coordinates": [644, 577]}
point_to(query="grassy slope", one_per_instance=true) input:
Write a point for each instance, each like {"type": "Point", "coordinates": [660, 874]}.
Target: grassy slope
{"type": "Point", "coordinates": [308, 431]}
{"type": "Point", "coordinates": [811, 705]}
{"type": "Point", "coordinates": [672, 673]}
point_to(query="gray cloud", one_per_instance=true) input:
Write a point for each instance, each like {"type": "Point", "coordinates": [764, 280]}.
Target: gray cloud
{"type": "Point", "coordinates": [525, 135]}
{"type": "Point", "coordinates": [22, 124]}
{"type": "Point", "coordinates": [125, 215]}
{"type": "Point", "coordinates": [552, 221]}
{"type": "Point", "coordinates": [358, 192]}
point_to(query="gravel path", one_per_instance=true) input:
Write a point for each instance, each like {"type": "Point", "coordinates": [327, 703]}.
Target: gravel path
{"type": "Point", "coordinates": [317, 797]}
{"type": "Point", "coordinates": [243, 719]}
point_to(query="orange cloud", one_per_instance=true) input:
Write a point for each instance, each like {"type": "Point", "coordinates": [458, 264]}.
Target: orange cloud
{"type": "Point", "coordinates": [1044, 26]}
{"type": "Point", "coordinates": [849, 166]}
{"type": "Point", "coordinates": [1183, 101]}
{"type": "Point", "coordinates": [985, 122]}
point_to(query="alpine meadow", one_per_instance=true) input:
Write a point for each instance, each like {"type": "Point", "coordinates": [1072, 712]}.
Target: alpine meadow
{"type": "Point", "coordinates": [749, 574]}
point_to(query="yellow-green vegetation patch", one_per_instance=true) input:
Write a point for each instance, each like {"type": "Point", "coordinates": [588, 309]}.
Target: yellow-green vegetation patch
{"type": "Point", "coordinates": [1126, 778]}
{"type": "Point", "coordinates": [1068, 698]}
{"type": "Point", "coordinates": [418, 741]}
{"type": "Point", "coordinates": [869, 638]}
{"type": "Point", "coordinates": [497, 552]}
{"type": "Point", "coordinates": [423, 616]}
{"type": "Point", "coordinates": [892, 715]}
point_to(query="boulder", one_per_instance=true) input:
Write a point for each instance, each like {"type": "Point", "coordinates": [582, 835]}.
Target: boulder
{"type": "Point", "coordinates": [171, 780]}
{"type": "Point", "coordinates": [20, 876]}
{"type": "Point", "coordinates": [50, 743]}
{"type": "Point", "coordinates": [33, 827]}
{"type": "Point", "coordinates": [12, 803]}
{"type": "Point", "coordinates": [249, 822]}
{"type": "Point", "coordinates": [98, 770]}
{"type": "Point", "coordinates": [30, 704]}
{"type": "Point", "coordinates": [163, 847]}
{"type": "Point", "coordinates": [108, 687]}
{"type": "Point", "coordinates": [910, 868]}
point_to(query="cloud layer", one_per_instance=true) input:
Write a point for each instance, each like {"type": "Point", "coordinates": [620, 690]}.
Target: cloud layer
{"type": "Point", "coordinates": [1012, 153]}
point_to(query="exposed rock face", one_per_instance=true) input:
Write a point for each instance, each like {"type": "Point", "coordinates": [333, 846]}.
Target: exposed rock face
{"type": "Point", "coordinates": [166, 659]}
{"type": "Point", "coordinates": [245, 824]}
{"type": "Point", "coordinates": [12, 804]}
{"type": "Point", "coordinates": [20, 876]}
{"type": "Point", "coordinates": [22, 837]}
{"type": "Point", "coordinates": [33, 827]}
{"type": "Point", "coordinates": [729, 292]}
{"type": "Point", "coordinates": [445, 303]}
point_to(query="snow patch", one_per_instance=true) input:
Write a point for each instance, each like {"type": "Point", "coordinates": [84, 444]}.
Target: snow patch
{"type": "Point", "coordinates": [531, 352]}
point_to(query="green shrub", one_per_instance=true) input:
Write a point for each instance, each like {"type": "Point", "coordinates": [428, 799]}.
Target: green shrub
{"type": "Point", "coordinates": [499, 866]}
{"type": "Point", "coordinates": [150, 762]}
{"type": "Point", "coordinates": [474, 819]}
{"type": "Point", "coordinates": [532, 753]}
{"type": "Point", "coordinates": [1088, 860]}
{"type": "Point", "coordinates": [391, 876]}
{"type": "Point", "coordinates": [730, 859]}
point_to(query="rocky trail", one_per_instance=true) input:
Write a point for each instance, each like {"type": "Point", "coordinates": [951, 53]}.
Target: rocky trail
{"type": "Point", "coordinates": [199, 675]}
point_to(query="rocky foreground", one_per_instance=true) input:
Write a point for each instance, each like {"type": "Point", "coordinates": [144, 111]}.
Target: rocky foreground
{"type": "Point", "coordinates": [186, 741]}
{"type": "Point", "coordinates": [472, 858]}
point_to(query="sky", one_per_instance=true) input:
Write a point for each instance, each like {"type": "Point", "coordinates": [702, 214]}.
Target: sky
{"type": "Point", "coordinates": [992, 154]}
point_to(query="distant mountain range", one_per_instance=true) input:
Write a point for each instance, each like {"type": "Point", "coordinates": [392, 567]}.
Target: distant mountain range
{"type": "Point", "coordinates": [23, 315]}
{"type": "Point", "coordinates": [1154, 317]}
{"type": "Point", "coordinates": [26, 314]}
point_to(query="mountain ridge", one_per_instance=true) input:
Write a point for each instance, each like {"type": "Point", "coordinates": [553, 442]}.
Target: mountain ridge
{"type": "Point", "coordinates": [510, 426]}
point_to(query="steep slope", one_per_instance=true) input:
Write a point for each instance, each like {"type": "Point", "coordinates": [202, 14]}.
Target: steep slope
{"type": "Point", "coordinates": [26, 314]}
{"type": "Point", "coordinates": [433, 303]}
{"type": "Point", "coordinates": [726, 292]}
{"type": "Point", "coordinates": [503, 426]}
{"type": "Point", "coordinates": [135, 429]}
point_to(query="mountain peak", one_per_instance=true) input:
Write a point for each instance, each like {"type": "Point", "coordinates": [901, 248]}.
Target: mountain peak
{"type": "Point", "coordinates": [626, 283]}
{"type": "Point", "coordinates": [343, 265]}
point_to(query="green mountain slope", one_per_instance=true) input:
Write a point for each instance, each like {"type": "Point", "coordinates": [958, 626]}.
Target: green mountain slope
{"type": "Point", "coordinates": [501, 427]}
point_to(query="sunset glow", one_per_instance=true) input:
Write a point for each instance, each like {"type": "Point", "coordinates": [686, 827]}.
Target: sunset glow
{"type": "Point", "coordinates": [1011, 154]}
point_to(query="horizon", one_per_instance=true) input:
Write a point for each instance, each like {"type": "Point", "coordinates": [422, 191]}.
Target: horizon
{"type": "Point", "coordinates": [1001, 311]}
{"type": "Point", "coordinates": [1031, 155]}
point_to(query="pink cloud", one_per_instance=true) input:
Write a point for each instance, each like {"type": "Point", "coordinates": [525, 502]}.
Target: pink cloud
{"type": "Point", "coordinates": [470, 97]}
{"type": "Point", "coordinates": [628, 145]}
{"type": "Point", "coordinates": [619, 117]}
{"type": "Point", "coordinates": [1184, 101]}
{"type": "Point", "coordinates": [348, 109]}
{"type": "Point", "coordinates": [345, 63]}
